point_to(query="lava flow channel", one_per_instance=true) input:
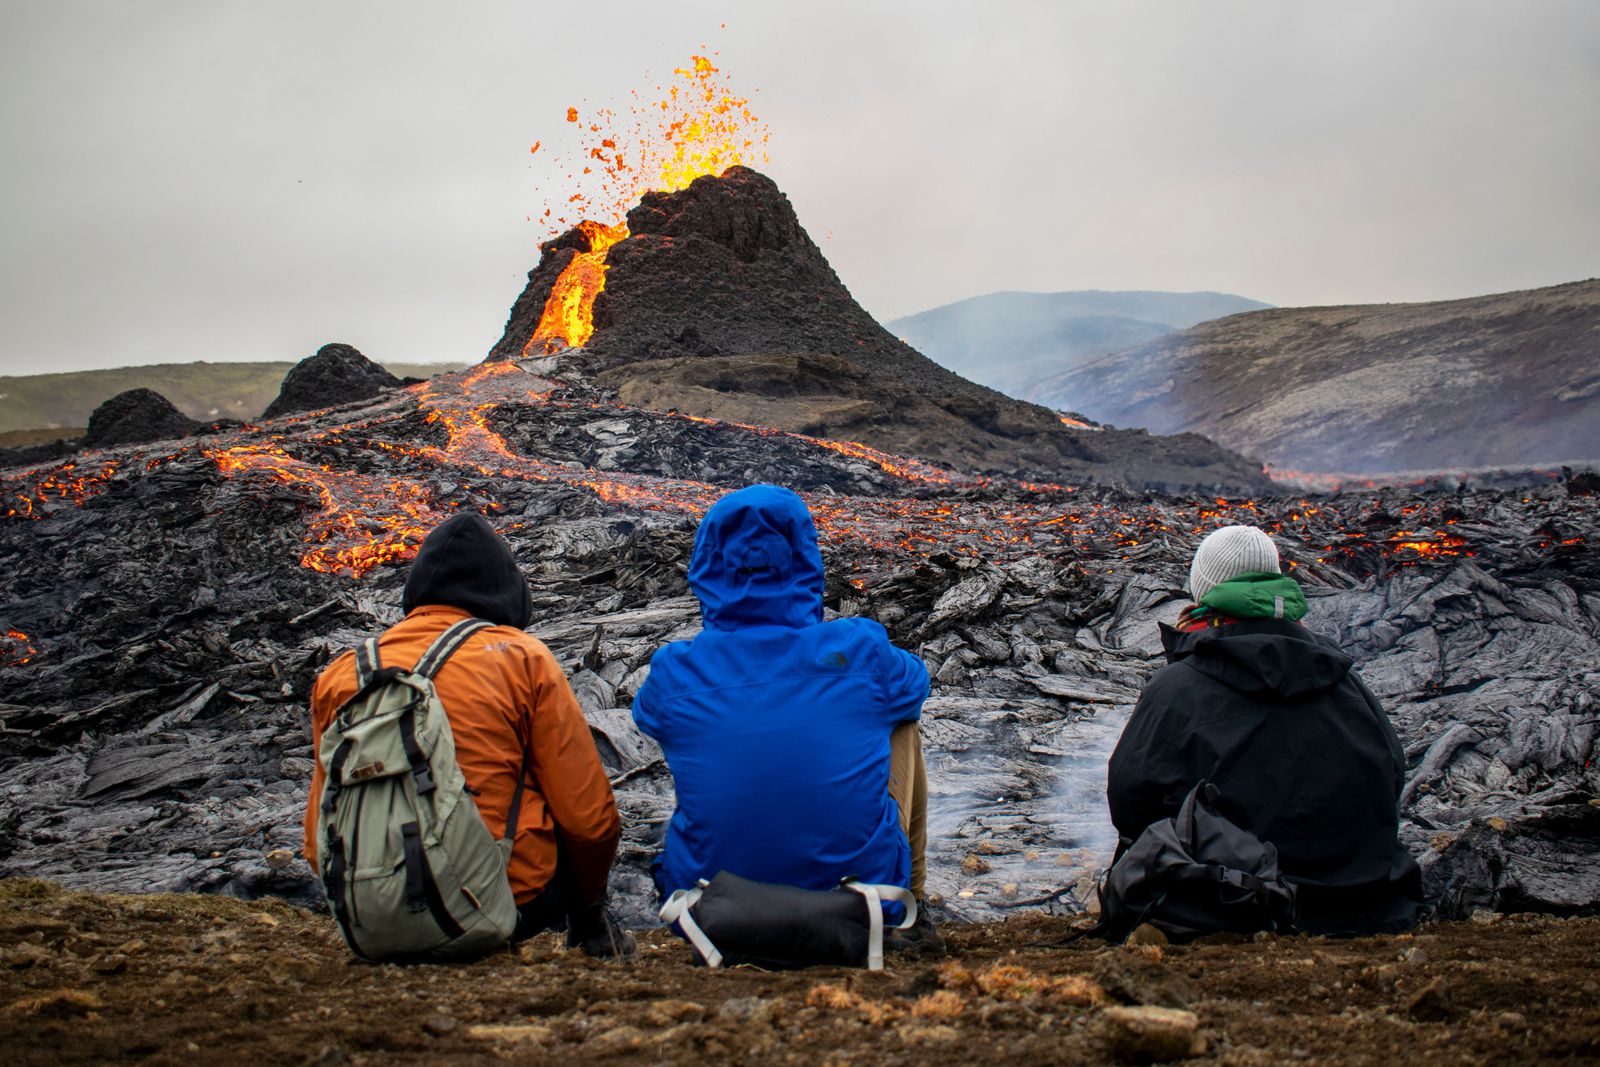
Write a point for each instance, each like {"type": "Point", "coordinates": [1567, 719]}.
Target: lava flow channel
{"type": "Point", "coordinates": [363, 520]}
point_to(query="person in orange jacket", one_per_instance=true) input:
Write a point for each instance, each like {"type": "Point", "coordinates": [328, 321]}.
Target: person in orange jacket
{"type": "Point", "coordinates": [507, 699]}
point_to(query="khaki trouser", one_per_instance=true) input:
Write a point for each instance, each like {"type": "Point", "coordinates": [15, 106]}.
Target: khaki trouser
{"type": "Point", "coordinates": [908, 785]}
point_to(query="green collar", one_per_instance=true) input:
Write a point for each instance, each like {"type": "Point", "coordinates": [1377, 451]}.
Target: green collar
{"type": "Point", "coordinates": [1259, 595]}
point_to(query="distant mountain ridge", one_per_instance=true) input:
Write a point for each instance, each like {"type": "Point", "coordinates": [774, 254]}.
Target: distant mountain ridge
{"type": "Point", "coordinates": [1498, 380]}
{"type": "Point", "coordinates": [203, 391]}
{"type": "Point", "coordinates": [1011, 341]}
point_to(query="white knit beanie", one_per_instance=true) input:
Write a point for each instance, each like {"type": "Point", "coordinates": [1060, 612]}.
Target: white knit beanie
{"type": "Point", "coordinates": [1228, 553]}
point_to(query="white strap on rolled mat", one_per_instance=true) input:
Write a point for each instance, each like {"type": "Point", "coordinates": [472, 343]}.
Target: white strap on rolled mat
{"type": "Point", "coordinates": [676, 910]}
{"type": "Point", "coordinates": [875, 895]}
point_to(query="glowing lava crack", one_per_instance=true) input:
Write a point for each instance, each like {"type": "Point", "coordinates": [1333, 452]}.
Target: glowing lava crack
{"type": "Point", "coordinates": [357, 519]}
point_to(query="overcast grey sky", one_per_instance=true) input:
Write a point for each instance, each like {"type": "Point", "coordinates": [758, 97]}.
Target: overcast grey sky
{"type": "Point", "coordinates": [205, 179]}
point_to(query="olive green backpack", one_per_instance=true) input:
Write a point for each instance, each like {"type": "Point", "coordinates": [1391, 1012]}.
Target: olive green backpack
{"type": "Point", "coordinates": [410, 869]}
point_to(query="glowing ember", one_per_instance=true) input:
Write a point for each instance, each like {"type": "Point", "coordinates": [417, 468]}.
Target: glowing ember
{"type": "Point", "coordinates": [698, 126]}
{"type": "Point", "coordinates": [15, 649]}
{"type": "Point", "coordinates": [1442, 544]}
{"type": "Point", "coordinates": [67, 482]}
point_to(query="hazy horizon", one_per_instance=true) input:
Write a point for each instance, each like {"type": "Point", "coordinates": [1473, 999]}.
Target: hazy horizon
{"type": "Point", "coordinates": [226, 181]}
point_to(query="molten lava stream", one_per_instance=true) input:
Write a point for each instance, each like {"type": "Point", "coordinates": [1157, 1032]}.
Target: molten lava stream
{"type": "Point", "coordinates": [364, 521]}
{"type": "Point", "coordinates": [568, 317]}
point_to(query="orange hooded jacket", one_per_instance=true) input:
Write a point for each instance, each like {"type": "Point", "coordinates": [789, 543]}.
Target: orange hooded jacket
{"type": "Point", "coordinates": [505, 695]}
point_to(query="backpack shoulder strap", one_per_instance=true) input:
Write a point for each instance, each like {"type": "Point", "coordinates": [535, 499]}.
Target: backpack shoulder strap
{"type": "Point", "coordinates": [446, 644]}
{"type": "Point", "coordinates": [368, 662]}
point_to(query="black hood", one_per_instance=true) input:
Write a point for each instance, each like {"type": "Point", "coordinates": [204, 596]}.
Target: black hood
{"type": "Point", "coordinates": [1260, 656]}
{"type": "Point", "coordinates": [463, 563]}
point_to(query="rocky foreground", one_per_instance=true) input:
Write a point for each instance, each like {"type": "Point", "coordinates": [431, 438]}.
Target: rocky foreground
{"type": "Point", "coordinates": [181, 979]}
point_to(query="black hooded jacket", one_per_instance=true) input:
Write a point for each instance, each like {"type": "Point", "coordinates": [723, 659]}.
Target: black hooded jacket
{"type": "Point", "coordinates": [465, 564]}
{"type": "Point", "coordinates": [1302, 753]}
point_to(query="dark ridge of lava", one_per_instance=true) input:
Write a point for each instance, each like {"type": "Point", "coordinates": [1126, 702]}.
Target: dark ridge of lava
{"type": "Point", "coordinates": [720, 305]}
{"type": "Point", "coordinates": [336, 374]}
{"type": "Point", "coordinates": [136, 417]}
{"type": "Point", "coordinates": [132, 417]}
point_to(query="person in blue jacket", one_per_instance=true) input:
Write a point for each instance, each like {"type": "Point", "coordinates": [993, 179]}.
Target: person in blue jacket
{"type": "Point", "coordinates": [792, 741]}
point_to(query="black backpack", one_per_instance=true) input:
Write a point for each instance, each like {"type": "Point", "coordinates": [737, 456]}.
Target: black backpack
{"type": "Point", "coordinates": [1196, 873]}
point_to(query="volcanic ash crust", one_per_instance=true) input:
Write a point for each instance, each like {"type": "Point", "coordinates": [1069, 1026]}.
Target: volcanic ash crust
{"type": "Point", "coordinates": [722, 273]}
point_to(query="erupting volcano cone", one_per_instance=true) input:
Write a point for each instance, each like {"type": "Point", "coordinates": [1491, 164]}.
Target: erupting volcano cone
{"type": "Point", "coordinates": [717, 303]}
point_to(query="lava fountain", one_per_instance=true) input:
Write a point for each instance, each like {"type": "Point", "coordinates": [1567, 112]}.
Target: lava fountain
{"type": "Point", "coordinates": [699, 126]}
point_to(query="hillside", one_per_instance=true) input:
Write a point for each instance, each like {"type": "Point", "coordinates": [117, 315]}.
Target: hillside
{"type": "Point", "coordinates": [1012, 341]}
{"type": "Point", "coordinates": [1512, 378]}
{"type": "Point", "coordinates": [203, 391]}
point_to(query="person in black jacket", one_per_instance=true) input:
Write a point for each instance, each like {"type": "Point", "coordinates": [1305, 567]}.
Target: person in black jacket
{"type": "Point", "coordinates": [1273, 714]}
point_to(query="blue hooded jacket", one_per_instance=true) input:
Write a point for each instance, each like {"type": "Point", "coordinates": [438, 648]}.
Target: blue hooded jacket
{"type": "Point", "coordinates": [776, 724]}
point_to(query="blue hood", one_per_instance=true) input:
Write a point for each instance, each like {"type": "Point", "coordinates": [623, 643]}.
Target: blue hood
{"type": "Point", "coordinates": [756, 561]}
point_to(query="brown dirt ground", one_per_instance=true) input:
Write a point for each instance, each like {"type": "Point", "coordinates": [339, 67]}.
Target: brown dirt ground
{"type": "Point", "coordinates": [192, 979]}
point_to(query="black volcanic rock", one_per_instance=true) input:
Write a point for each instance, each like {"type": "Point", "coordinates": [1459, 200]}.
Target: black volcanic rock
{"type": "Point", "coordinates": [134, 417]}
{"type": "Point", "coordinates": [725, 266]}
{"type": "Point", "coordinates": [337, 374]}
{"type": "Point", "coordinates": [724, 271]}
